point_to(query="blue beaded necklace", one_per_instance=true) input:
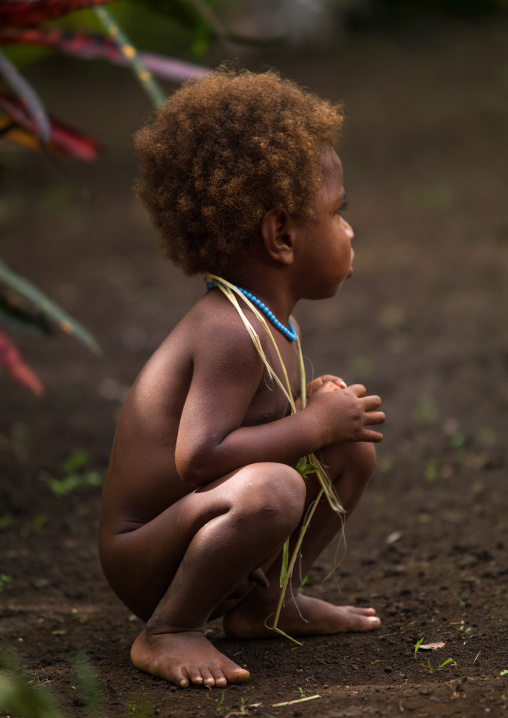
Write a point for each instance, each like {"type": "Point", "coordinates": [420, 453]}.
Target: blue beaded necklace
{"type": "Point", "coordinates": [288, 333]}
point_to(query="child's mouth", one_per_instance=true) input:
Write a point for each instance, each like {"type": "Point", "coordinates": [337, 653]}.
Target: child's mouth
{"type": "Point", "coordinates": [350, 273]}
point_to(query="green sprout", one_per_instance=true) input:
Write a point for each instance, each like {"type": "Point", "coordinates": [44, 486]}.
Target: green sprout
{"type": "Point", "coordinates": [373, 663]}
{"type": "Point", "coordinates": [5, 521]}
{"type": "Point", "coordinates": [485, 437]}
{"type": "Point", "coordinates": [431, 471]}
{"type": "Point", "coordinates": [425, 412]}
{"type": "Point", "coordinates": [462, 631]}
{"type": "Point", "coordinates": [141, 707]}
{"type": "Point", "coordinates": [76, 476]}
{"type": "Point", "coordinates": [4, 580]}
{"type": "Point", "coordinates": [445, 663]}
{"type": "Point", "coordinates": [39, 521]}
{"type": "Point", "coordinates": [457, 440]}
{"type": "Point", "coordinates": [440, 667]}
{"type": "Point", "coordinates": [242, 710]}
{"type": "Point", "coordinates": [417, 646]}
{"type": "Point", "coordinates": [221, 703]}
{"type": "Point", "coordinates": [463, 603]}
{"type": "Point", "coordinates": [504, 673]}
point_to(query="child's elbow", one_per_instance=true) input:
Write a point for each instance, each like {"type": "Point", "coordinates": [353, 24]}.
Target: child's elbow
{"type": "Point", "coordinates": [193, 470]}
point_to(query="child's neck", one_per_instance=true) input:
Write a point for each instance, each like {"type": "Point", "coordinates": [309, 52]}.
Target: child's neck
{"type": "Point", "coordinates": [270, 287]}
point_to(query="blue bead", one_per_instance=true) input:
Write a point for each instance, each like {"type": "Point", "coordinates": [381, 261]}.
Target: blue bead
{"type": "Point", "coordinates": [290, 333]}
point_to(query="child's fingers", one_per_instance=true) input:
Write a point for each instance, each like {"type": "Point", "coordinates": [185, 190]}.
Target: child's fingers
{"type": "Point", "coordinates": [324, 384]}
{"type": "Point", "coordinates": [358, 389]}
{"type": "Point", "coordinates": [370, 435]}
{"type": "Point", "coordinates": [327, 382]}
{"type": "Point", "coordinates": [330, 386]}
{"type": "Point", "coordinates": [375, 417]}
{"type": "Point", "coordinates": [371, 402]}
{"type": "Point", "coordinates": [334, 380]}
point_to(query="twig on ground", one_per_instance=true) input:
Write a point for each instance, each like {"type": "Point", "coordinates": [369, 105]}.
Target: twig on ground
{"type": "Point", "coordinates": [298, 700]}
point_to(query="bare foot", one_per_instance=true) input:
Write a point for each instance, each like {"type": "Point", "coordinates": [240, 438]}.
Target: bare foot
{"type": "Point", "coordinates": [184, 658]}
{"type": "Point", "coordinates": [301, 616]}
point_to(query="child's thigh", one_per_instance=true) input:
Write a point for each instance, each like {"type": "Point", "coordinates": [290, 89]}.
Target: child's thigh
{"type": "Point", "coordinates": [350, 464]}
{"type": "Point", "coordinates": [140, 564]}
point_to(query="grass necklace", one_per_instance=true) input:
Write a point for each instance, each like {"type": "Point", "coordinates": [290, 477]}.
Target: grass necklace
{"type": "Point", "coordinates": [289, 333]}
{"type": "Point", "coordinates": [307, 464]}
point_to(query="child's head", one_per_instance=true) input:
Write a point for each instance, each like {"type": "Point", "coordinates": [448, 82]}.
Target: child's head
{"type": "Point", "coordinates": [224, 150]}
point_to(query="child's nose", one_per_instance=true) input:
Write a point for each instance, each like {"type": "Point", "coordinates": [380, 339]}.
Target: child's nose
{"type": "Point", "coordinates": [348, 229]}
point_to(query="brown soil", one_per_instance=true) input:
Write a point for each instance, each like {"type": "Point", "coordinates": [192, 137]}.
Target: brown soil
{"type": "Point", "coordinates": [422, 323]}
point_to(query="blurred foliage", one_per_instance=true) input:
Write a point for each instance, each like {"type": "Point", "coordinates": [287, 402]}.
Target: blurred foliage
{"type": "Point", "coordinates": [76, 476]}
{"type": "Point", "coordinates": [33, 26]}
{"type": "Point", "coordinates": [21, 695]}
{"type": "Point", "coordinates": [425, 411]}
{"type": "Point", "coordinates": [32, 29]}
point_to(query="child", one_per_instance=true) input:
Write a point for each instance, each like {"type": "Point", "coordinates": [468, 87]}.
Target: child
{"type": "Point", "coordinates": [241, 180]}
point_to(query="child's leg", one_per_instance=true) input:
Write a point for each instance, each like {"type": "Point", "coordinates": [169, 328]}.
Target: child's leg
{"type": "Point", "coordinates": [203, 548]}
{"type": "Point", "coordinates": [352, 464]}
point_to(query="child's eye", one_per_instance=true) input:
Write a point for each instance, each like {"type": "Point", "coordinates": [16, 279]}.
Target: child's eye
{"type": "Point", "coordinates": [343, 207]}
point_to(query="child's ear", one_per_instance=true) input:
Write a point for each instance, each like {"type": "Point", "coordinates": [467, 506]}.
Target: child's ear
{"type": "Point", "coordinates": [277, 232]}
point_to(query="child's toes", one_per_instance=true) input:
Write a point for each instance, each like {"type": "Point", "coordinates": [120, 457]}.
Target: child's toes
{"type": "Point", "coordinates": [179, 679]}
{"type": "Point", "coordinates": [366, 623]}
{"type": "Point", "coordinates": [364, 611]}
{"type": "Point", "coordinates": [238, 675]}
{"type": "Point", "coordinates": [218, 675]}
{"type": "Point", "coordinates": [206, 676]}
{"type": "Point", "coordinates": [195, 675]}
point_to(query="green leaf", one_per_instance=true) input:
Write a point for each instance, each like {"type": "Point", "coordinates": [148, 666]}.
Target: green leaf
{"type": "Point", "coordinates": [46, 306]}
{"type": "Point", "coordinates": [145, 78]}
{"type": "Point", "coordinates": [445, 663]}
{"type": "Point", "coordinates": [90, 689]}
{"type": "Point", "coordinates": [31, 101]}
{"type": "Point", "coordinates": [14, 317]}
{"type": "Point", "coordinates": [417, 645]}
{"type": "Point", "coordinates": [305, 467]}
{"type": "Point", "coordinates": [77, 461]}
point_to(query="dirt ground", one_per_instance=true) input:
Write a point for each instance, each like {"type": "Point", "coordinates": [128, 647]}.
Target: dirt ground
{"type": "Point", "coordinates": [422, 323]}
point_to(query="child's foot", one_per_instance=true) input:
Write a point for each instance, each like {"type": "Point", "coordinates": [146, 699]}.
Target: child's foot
{"type": "Point", "coordinates": [250, 618]}
{"type": "Point", "coordinates": [184, 658]}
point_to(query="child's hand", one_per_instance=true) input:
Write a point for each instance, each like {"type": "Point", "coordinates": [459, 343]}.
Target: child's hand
{"type": "Point", "coordinates": [344, 415]}
{"type": "Point", "coordinates": [326, 383]}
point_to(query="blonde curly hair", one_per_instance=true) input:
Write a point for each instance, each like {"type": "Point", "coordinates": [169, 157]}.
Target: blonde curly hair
{"type": "Point", "coordinates": [221, 152]}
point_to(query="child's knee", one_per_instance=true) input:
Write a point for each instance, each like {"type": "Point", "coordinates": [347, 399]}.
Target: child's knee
{"type": "Point", "coordinates": [275, 496]}
{"type": "Point", "coordinates": [363, 460]}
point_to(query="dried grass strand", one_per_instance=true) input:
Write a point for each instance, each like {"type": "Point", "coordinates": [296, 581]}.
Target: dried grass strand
{"type": "Point", "coordinates": [327, 488]}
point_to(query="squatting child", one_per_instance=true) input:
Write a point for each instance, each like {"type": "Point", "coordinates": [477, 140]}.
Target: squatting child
{"type": "Point", "coordinates": [241, 179]}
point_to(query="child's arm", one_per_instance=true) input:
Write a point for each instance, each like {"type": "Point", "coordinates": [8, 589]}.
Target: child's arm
{"type": "Point", "coordinates": [227, 372]}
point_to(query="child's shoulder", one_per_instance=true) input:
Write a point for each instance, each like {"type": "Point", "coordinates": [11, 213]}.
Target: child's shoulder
{"type": "Point", "coordinates": [214, 327]}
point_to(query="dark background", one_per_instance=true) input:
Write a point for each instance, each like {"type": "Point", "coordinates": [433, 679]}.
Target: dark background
{"type": "Point", "coordinates": [422, 323]}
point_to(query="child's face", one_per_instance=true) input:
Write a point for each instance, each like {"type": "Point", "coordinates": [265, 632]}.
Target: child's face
{"type": "Point", "coordinates": [326, 252]}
